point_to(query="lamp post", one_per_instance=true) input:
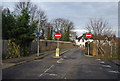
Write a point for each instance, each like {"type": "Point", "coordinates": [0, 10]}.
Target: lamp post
{"type": "Point", "coordinates": [38, 39]}
{"type": "Point", "coordinates": [38, 35]}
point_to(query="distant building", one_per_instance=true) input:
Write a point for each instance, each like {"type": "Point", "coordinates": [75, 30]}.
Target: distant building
{"type": "Point", "coordinates": [82, 40]}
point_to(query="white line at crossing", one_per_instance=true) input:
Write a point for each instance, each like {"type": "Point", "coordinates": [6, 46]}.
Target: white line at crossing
{"type": "Point", "coordinates": [46, 70]}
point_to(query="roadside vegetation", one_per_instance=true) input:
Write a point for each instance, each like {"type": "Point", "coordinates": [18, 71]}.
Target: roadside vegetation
{"type": "Point", "coordinates": [105, 44]}
{"type": "Point", "coordinates": [20, 26]}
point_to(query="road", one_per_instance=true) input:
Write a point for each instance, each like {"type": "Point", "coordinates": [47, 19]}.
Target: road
{"type": "Point", "coordinates": [74, 65]}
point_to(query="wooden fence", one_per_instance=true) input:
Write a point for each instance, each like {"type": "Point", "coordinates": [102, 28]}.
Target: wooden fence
{"type": "Point", "coordinates": [107, 49]}
{"type": "Point", "coordinates": [45, 45]}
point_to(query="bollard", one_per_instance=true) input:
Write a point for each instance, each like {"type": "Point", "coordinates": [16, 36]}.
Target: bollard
{"type": "Point", "coordinates": [57, 52]}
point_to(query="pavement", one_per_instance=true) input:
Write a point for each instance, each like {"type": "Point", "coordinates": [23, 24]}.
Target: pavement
{"type": "Point", "coordinates": [116, 61]}
{"type": "Point", "coordinates": [16, 61]}
{"type": "Point", "coordinates": [73, 65]}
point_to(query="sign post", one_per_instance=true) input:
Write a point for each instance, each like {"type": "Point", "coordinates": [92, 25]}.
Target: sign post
{"type": "Point", "coordinates": [38, 35]}
{"type": "Point", "coordinates": [88, 35]}
{"type": "Point", "coordinates": [57, 49]}
{"type": "Point", "coordinates": [88, 48]}
{"type": "Point", "coordinates": [58, 36]}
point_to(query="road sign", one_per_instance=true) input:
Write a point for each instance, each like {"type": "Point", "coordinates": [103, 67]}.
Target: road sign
{"type": "Point", "coordinates": [38, 35]}
{"type": "Point", "coordinates": [88, 35]}
{"type": "Point", "coordinates": [58, 35]}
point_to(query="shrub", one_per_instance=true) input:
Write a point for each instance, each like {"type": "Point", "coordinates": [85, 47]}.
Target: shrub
{"type": "Point", "coordinates": [14, 50]}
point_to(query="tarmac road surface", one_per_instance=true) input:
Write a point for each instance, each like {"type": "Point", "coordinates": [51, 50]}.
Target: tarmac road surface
{"type": "Point", "coordinates": [74, 65]}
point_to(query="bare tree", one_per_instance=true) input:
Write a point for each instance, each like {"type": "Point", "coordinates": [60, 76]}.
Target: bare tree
{"type": "Point", "coordinates": [99, 26]}
{"type": "Point", "coordinates": [49, 31]}
{"type": "Point", "coordinates": [37, 15]}
{"type": "Point", "coordinates": [23, 5]}
{"type": "Point", "coordinates": [100, 29]}
{"type": "Point", "coordinates": [63, 26]}
{"type": "Point", "coordinates": [31, 8]}
{"type": "Point", "coordinates": [42, 19]}
{"type": "Point", "coordinates": [58, 24]}
{"type": "Point", "coordinates": [67, 30]}
{"type": "Point", "coordinates": [73, 35]}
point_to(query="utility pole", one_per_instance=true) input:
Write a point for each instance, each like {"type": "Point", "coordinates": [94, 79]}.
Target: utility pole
{"type": "Point", "coordinates": [38, 35]}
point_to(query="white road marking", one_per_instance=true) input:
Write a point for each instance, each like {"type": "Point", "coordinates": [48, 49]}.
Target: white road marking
{"type": "Point", "coordinates": [102, 62]}
{"type": "Point", "coordinates": [53, 74]}
{"type": "Point", "coordinates": [64, 51]}
{"type": "Point", "coordinates": [41, 74]}
{"type": "Point", "coordinates": [114, 71]}
{"type": "Point", "coordinates": [98, 59]}
{"type": "Point", "coordinates": [59, 61]}
{"type": "Point", "coordinates": [46, 70]}
{"type": "Point", "coordinates": [106, 66]}
{"type": "Point", "coordinates": [65, 56]}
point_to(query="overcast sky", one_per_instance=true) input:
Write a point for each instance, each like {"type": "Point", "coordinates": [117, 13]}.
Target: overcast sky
{"type": "Point", "coordinates": [79, 12]}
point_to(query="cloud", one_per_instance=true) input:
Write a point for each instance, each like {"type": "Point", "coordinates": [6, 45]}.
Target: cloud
{"type": "Point", "coordinates": [62, 0]}
{"type": "Point", "coordinates": [80, 12]}
{"type": "Point", "coordinates": [79, 31]}
{"type": "Point", "coordinates": [9, 5]}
